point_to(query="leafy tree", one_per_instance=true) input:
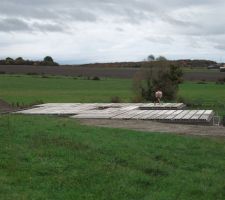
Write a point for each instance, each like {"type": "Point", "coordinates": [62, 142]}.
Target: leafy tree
{"type": "Point", "coordinates": [152, 79]}
{"type": "Point", "coordinates": [48, 59]}
{"type": "Point", "coordinates": [161, 58]}
{"type": "Point", "coordinates": [176, 74]}
{"type": "Point", "coordinates": [151, 58]}
{"type": "Point", "coordinates": [19, 61]}
{"type": "Point", "coordinates": [9, 61]}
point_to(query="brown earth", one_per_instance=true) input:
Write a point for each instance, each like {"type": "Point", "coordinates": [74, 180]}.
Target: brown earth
{"type": "Point", "coordinates": [5, 107]}
{"type": "Point", "coordinates": [150, 126]}
{"type": "Point", "coordinates": [88, 71]}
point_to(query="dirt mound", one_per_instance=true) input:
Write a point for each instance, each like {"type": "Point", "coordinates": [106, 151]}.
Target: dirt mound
{"type": "Point", "coordinates": [5, 107]}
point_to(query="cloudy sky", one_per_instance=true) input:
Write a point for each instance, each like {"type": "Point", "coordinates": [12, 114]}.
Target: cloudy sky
{"type": "Point", "coordinates": [84, 31]}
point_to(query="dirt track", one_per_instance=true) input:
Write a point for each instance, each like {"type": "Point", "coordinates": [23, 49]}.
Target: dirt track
{"type": "Point", "coordinates": [111, 72]}
{"type": "Point", "coordinates": [141, 125]}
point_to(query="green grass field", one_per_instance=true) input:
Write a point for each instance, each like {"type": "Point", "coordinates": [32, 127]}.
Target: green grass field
{"type": "Point", "coordinates": [45, 157]}
{"type": "Point", "coordinates": [56, 158]}
{"type": "Point", "coordinates": [31, 89]}
{"type": "Point", "coordinates": [25, 90]}
{"type": "Point", "coordinates": [204, 96]}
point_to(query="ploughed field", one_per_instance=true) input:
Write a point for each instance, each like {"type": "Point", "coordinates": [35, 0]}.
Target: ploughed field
{"type": "Point", "coordinates": [110, 72]}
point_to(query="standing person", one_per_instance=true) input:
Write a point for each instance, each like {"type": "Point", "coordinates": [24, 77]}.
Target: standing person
{"type": "Point", "coordinates": [158, 96]}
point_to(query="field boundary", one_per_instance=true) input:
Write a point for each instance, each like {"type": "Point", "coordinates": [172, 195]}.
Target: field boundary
{"type": "Point", "coordinates": [106, 72]}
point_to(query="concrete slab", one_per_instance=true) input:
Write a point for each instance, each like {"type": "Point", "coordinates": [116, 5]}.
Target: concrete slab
{"type": "Point", "coordinates": [129, 114]}
{"type": "Point", "coordinates": [162, 106]}
{"type": "Point", "coordinates": [148, 114]}
{"type": "Point", "coordinates": [189, 115]}
{"type": "Point", "coordinates": [207, 115]}
{"type": "Point", "coordinates": [172, 115]}
{"type": "Point", "coordinates": [158, 114]}
{"type": "Point", "coordinates": [170, 112]}
{"type": "Point", "coordinates": [197, 115]}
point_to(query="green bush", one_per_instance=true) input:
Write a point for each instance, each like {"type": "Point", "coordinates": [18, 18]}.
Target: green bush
{"type": "Point", "coordinates": [223, 120]}
{"type": "Point", "coordinates": [96, 78]}
{"type": "Point", "coordinates": [152, 79]}
{"type": "Point", "coordinates": [116, 99]}
{"type": "Point", "coordinates": [220, 81]}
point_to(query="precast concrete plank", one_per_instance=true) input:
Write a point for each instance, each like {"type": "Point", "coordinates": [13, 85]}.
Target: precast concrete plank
{"type": "Point", "coordinates": [166, 105]}
{"type": "Point", "coordinates": [197, 115]}
{"type": "Point", "coordinates": [148, 115]}
{"type": "Point", "coordinates": [141, 114]}
{"type": "Point", "coordinates": [157, 115]}
{"type": "Point", "coordinates": [93, 116]}
{"type": "Point", "coordinates": [127, 108]}
{"type": "Point", "coordinates": [173, 115]}
{"type": "Point", "coordinates": [163, 114]}
{"type": "Point", "coordinates": [145, 111]}
{"type": "Point", "coordinates": [57, 104]}
{"type": "Point", "coordinates": [189, 115]}
{"type": "Point", "coordinates": [180, 105]}
{"type": "Point", "coordinates": [137, 113]}
{"type": "Point", "coordinates": [129, 114]}
{"type": "Point", "coordinates": [144, 114]}
{"type": "Point", "coordinates": [207, 115]}
{"type": "Point", "coordinates": [181, 115]}
{"type": "Point", "coordinates": [160, 106]}
{"type": "Point", "coordinates": [166, 114]}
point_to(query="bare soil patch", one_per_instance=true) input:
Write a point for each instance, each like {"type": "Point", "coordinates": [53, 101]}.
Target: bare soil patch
{"type": "Point", "coordinates": [141, 125]}
{"type": "Point", "coordinates": [5, 107]}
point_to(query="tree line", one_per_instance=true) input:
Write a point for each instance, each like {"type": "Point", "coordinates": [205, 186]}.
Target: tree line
{"type": "Point", "coordinates": [183, 62]}
{"type": "Point", "coordinates": [153, 58]}
{"type": "Point", "coordinates": [47, 61]}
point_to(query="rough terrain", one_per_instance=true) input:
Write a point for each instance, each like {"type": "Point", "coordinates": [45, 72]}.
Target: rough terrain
{"type": "Point", "coordinates": [151, 126]}
{"type": "Point", "coordinates": [5, 107]}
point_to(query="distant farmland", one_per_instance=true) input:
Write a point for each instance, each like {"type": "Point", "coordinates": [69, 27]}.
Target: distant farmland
{"type": "Point", "coordinates": [110, 72]}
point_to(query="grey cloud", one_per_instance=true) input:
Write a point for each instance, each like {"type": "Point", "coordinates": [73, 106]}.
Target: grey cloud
{"type": "Point", "coordinates": [220, 47]}
{"type": "Point", "coordinates": [15, 25]}
{"type": "Point", "coordinates": [119, 29]}
{"type": "Point", "coordinates": [178, 22]}
{"type": "Point", "coordinates": [160, 39]}
{"type": "Point", "coordinates": [46, 10]}
{"type": "Point", "coordinates": [183, 18]}
{"type": "Point", "coordinates": [217, 42]}
{"type": "Point", "coordinates": [83, 10]}
{"type": "Point", "coordinates": [81, 15]}
{"type": "Point", "coordinates": [11, 24]}
{"type": "Point", "coordinates": [131, 11]}
{"type": "Point", "coordinates": [47, 27]}
{"type": "Point", "coordinates": [204, 30]}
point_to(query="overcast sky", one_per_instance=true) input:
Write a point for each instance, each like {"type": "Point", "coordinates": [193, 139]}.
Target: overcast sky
{"type": "Point", "coordinates": [84, 31]}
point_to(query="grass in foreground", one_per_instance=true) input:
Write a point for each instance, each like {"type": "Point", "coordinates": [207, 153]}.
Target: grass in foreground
{"type": "Point", "coordinates": [56, 158]}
